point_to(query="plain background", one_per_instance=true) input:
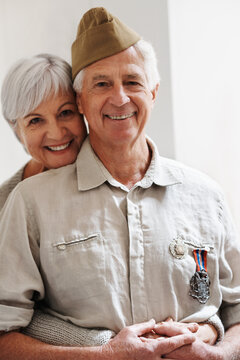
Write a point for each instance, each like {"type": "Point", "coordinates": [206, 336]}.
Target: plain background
{"type": "Point", "coordinates": [196, 117]}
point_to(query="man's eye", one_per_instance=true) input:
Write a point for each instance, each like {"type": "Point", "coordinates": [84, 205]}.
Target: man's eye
{"type": "Point", "coordinates": [34, 121]}
{"type": "Point", "coordinates": [101, 84]}
{"type": "Point", "coordinates": [133, 83]}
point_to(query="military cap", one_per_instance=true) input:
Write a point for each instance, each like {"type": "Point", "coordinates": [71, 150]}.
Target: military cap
{"type": "Point", "coordinates": [99, 35]}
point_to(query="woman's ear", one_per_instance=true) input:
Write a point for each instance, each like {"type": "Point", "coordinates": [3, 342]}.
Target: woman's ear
{"type": "Point", "coordinates": [17, 131]}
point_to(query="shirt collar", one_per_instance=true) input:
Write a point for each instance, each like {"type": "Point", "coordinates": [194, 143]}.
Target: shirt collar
{"type": "Point", "coordinates": [161, 171]}
{"type": "Point", "coordinates": [91, 173]}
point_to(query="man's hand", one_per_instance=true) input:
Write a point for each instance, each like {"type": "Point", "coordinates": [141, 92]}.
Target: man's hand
{"type": "Point", "coordinates": [228, 348]}
{"type": "Point", "coordinates": [130, 344]}
{"type": "Point", "coordinates": [197, 351]}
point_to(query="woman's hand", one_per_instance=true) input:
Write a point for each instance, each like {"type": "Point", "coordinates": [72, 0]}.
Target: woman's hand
{"type": "Point", "coordinates": [205, 332]}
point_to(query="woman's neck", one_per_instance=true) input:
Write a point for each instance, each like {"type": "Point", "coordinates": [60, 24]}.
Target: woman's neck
{"type": "Point", "coordinates": [33, 167]}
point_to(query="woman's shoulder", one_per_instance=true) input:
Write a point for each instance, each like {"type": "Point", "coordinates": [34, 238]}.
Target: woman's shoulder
{"type": "Point", "coordinates": [8, 185]}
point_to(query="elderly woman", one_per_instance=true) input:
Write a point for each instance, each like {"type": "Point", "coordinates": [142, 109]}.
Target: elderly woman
{"type": "Point", "coordinates": [38, 102]}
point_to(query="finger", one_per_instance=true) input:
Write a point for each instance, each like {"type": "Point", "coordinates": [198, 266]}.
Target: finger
{"type": "Point", "coordinates": [142, 328]}
{"type": "Point", "coordinates": [146, 340]}
{"type": "Point", "coordinates": [193, 327]}
{"type": "Point", "coordinates": [151, 340]}
{"type": "Point", "coordinates": [169, 319]}
{"type": "Point", "coordinates": [170, 329]}
{"type": "Point", "coordinates": [168, 345]}
{"type": "Point", "coordinates": [152, 335]}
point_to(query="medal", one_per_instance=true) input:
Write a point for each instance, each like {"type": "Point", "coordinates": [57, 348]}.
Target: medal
{"type": "Point", "coordinates": [200, 282]}
{"type": "Point", "coordinates": [178, 248]}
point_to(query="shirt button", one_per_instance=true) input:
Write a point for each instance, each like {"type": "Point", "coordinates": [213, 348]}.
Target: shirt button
{"type": "Point", "coordinates": [61, 247]}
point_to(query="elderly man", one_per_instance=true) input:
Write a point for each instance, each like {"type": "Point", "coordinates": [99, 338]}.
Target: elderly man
{"type": "Point", "coordinates": [122, 235]}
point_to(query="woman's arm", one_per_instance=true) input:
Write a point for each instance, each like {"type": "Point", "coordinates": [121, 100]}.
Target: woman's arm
{"type": "Point", "coordinates": [127, 344]}
{"type": "Point", "coordinates": [52, 330]}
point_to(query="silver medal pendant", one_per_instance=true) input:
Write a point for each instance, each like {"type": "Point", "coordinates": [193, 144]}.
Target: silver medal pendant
{"type": "Point", "coordinates": [178, 248]}
{"type": "Point", "coordinates": [199, 286]}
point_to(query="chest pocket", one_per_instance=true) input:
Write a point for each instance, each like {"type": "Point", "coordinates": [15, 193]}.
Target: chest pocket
{"type": "Point", "coordinates": [78, 266]}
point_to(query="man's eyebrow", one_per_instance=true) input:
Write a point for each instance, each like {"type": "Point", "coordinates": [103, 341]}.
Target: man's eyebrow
{"type": "Point", "coordinates": [126, 76]}
{"type": "Point", "coordinates": [100, 77]}
{"type": "Point", "coordinates": [133, 76]}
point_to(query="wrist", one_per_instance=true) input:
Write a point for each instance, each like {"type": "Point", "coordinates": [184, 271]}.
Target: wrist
{"type": "Point", "coordinates": [217, 352]}
{"type": "Point", "coordinates": [216, 322]}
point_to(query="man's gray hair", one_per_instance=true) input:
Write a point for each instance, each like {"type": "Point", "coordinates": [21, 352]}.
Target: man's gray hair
{"type": "Point", "coordinates": [145, 49]}
{"type": "Point", "coordinates": [30, 81]}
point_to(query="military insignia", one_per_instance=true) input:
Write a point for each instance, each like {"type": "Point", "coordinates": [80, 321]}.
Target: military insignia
{"type": "Point", "coordinates": [200, 282]}
{"type": "Point", "coordinates": [178, 248]}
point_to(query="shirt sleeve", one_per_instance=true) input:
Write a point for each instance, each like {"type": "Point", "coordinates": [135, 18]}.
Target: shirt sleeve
{"type": "Point", "coordinates": [20, 279]}
{"type": "Point", "coordinates": [229, 274]}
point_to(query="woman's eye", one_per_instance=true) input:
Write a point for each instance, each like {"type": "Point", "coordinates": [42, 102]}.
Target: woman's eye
{"type": "Point", "coordinates": [34, 121]}
{"type": "Point", "coordinates": [66, 113]}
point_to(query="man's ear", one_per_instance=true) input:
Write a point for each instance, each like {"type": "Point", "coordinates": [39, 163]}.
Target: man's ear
{"type": "Point", "coordinates": [79, 103]}
{"type": "Point", "coordinates": [154, 93]}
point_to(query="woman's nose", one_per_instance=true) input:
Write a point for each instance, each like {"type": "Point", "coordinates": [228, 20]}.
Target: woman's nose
{"type": "Point", "coordinates": [56, 130]}
{"type": "Point", "coordinates": [119, 96]}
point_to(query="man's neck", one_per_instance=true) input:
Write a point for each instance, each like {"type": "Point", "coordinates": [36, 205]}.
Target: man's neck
{"type": "Point", "coordinates": [126, 163]}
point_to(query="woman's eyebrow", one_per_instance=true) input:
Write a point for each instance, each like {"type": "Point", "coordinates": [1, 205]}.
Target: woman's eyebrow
{"type": "Point", "coordinates": [31, 114]}
{"type": "Point", "coordinates": [66, 103]}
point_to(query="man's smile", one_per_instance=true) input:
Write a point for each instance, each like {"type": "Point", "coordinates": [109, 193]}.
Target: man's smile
{"type": "Point", "coordinates": [121, 117]}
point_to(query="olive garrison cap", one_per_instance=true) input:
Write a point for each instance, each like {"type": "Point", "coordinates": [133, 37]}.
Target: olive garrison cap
{"type": "Point", "coordinates": [99, 35]}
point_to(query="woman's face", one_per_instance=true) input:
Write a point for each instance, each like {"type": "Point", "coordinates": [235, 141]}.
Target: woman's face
{"type": "Point", "coordinates": [53, 132]}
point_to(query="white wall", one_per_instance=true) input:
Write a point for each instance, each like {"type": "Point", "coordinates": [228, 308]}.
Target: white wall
{"type": "Point", "coordinates": [28, 27]}
{"type": "Point", "coordinates": [205, 71]}
{"type": "Point", "coordinates": [196, 118]}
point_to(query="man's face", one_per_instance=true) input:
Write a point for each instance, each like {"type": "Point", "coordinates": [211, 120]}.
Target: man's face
{"type": "Point", "coordinates": [115, 98]}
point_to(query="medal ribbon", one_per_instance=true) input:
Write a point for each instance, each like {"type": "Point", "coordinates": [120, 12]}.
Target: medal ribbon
{"type": "Point", "coordinates": [200, 257]}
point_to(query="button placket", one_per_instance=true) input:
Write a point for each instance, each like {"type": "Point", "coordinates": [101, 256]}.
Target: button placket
{"type": "Point", "coordinates": [136, 260]}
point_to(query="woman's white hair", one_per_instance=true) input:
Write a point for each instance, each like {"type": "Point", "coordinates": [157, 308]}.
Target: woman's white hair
{"type": "Point", "coordinates": [30, 81]}
{"type": "Point", "coordinates": [145, 49]}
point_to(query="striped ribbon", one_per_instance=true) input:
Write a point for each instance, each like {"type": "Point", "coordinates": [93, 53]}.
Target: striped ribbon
{"type": "Point", "coordinates": [200, 257]}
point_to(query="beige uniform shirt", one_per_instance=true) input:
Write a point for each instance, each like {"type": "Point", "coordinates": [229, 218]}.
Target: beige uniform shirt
{"type": "Point", "coordinates": [99, 253]}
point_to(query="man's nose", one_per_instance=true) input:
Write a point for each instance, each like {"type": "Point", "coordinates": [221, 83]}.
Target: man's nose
{"type": "Point", "coordinates": [55, 130]}
{"type": "Point", "coordinates": [119, 97]}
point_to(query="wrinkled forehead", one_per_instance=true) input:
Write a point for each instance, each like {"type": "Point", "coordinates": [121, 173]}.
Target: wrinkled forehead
{"type": "Point", "coordinates": [127, 63]}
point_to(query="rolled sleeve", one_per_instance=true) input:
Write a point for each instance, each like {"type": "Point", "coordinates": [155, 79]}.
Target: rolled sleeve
{"type": "Point", "coordinates": [20, 279]}
{"type": "Point", "coordinates": [230, 315]}
{"type": "Point", "coordinates": [229, 272]}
